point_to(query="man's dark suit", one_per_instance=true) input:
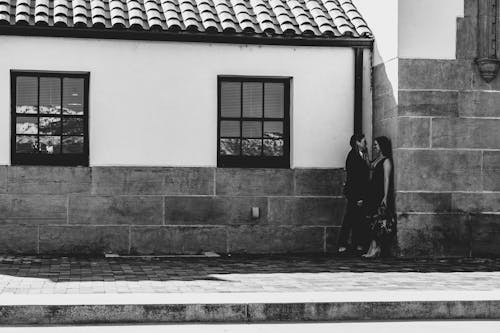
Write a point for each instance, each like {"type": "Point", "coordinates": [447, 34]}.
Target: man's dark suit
{"type": "Point", "coordinates": [355, 189]}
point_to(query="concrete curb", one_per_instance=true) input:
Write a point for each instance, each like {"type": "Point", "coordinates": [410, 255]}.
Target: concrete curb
{"type": "Point", "coordinates": [246, 312]}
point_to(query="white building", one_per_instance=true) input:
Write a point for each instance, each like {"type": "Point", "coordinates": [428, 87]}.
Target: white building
{"type": "Point", "coordinates": [140, 107]}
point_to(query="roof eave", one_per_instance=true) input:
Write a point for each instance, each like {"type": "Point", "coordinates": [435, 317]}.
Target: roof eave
{"type": "Point", "coordinates": [184, 36]}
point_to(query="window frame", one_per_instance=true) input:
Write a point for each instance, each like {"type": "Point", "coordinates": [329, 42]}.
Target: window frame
{"type": "Point", "coordinates": [228, 161]}
{"type": "Point", "coordinates": [80, 159]}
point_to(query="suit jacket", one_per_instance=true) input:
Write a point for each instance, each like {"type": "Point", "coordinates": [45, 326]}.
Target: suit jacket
{"type": "Point", "coordinates": [358, 177]}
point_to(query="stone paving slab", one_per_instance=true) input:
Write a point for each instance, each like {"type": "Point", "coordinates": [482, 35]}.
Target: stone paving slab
{"type": "Point", "coordinates": [33, 275]}
{"type": "Point", "coordinates": [244, 289]}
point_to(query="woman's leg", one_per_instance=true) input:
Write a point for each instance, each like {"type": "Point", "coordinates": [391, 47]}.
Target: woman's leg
{"type": "Point", "coordinates": [373, 244]}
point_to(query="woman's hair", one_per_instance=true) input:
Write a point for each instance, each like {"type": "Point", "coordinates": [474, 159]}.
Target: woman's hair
{"type": "Point", "coordinates": [356, 137]}
{"type": "Point", "coordinates": [385, 146]}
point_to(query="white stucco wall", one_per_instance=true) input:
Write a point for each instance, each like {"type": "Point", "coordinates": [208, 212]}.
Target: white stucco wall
{"type": "Point", "coordinates": [155, 103]}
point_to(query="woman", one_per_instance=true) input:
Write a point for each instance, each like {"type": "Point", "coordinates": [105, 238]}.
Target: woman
{"type": "Point", "coordinates": [380, 188]}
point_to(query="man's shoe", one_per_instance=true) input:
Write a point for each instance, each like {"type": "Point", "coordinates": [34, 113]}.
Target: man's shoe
{"type": "Point", "coordinates": [342, 250]}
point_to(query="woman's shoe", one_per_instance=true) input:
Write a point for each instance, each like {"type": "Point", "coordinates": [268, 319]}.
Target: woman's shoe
{"type": "Point", "coordinates": [374, 254]}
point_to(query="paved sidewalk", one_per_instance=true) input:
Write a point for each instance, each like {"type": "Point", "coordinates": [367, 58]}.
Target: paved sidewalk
{"type": "Point", "coordinates": [244, 289]}
{"type": "Point", "coordinates": [276, 274]}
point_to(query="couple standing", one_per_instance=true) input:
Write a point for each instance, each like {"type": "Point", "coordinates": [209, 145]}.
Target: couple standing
{"type": "Point", "coordinates": [368, 187]}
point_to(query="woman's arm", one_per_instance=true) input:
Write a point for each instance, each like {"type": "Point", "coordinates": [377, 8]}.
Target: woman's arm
{"type": "Point", "coordinates": [387, 178]}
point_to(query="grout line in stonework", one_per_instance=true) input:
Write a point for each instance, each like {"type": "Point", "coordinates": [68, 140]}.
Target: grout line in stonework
{"type": "Point", "coordinates": [215, 182]}
{"type": "Point", "coordinates": [38, 239]}
{"type": "Point", "coordinates": [480, 90]}
{"type": "Point", "coordinates": [446, 192]}
{"type": "Point", "coordinates": [420, 117]}
{"type": "Point", "coordinates": [471, 239]}
{"type": "Point", "coordinates": [444, 117]}
{"type": "Point", "coordinates": [432, 213]}
{"type": "Point", "coordinates": [227, 240]}
{"type": "Point", "coordinates": [440, 90]}
{"type": "Point", "coordinates": [148, 195]}
{"type": "Point", "coordinates": [486, 213]}
{"type": "Point", "coordinates": [430, 133]}
{"type": "Point", "coordinates": [324, 240]}
{"type": "Point", "coordinates": [451, 149]}
{"type": "Point", "coordinates": [294, 189]}
{"type": "Point", "coordinates": [180, 225]}
{"type": "Point", "coordinates": [485, 118]}
{"type": "Point", "coordinates": [163, 218]}
{"type": "Point", "coordinates": [234, 196]}
{"type": "Point", "coordinates": [67, 209]}
{"type": "Point", "coordinates": [446, 213]}
{"type": "Point", "coordinates": [268, 201]}
{"type": "Point", "coordinates": [142, 225]}
{"type": "Point", "coordinates": [482, 169]}
{"type": "Point", "coordinates": [129, 239]}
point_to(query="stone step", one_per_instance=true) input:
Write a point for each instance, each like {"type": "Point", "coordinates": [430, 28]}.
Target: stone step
{"type": "Point", "coordinates": [83, 309]}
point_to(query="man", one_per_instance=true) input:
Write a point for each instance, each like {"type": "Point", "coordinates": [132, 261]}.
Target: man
{"type": "Point", "coordinates": [355, 189]}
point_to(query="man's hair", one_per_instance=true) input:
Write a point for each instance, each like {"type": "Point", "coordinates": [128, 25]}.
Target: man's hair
{"type": "Point", "coordinates": [356, 137]}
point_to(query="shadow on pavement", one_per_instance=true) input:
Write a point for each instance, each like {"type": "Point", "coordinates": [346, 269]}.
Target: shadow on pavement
{"type": "Point", "coordinates": [60, 269]}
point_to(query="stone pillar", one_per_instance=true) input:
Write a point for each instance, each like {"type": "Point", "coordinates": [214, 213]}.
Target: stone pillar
{"type": "Point", "coordinates": [443, 118]}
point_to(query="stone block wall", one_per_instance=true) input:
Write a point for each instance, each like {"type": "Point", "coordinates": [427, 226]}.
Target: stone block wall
{"type": "Point", "coordinates": [140, 210]}
{"type": "Point", "coordinates": [444, 122]}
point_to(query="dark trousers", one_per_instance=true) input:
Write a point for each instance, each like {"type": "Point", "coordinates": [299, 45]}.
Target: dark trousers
{"type": "Point", "coordinates": [355, 222]}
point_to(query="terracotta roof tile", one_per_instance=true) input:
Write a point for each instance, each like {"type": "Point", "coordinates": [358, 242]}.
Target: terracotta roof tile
{"type": "Point", "coordinates": [42, 12]}
{"type": "Point", "coordinates": [208, 16]}
{"type": "Point", "coordinates": [311, 18]}
{"type": "Point", "coordinates": [23, 12]}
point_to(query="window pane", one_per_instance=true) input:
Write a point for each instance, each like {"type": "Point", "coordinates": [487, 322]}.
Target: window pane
{"type": "Point", "coordinates": [230, 104]}
{"type": "Point", "coordinates": [73, 126]}
{"type": "Point", "coordinates": [50, 125]}
{"type": "Point", "coordinates": [73, 96]}
{"type": "Point", "coordinates": [26, 144]}
{"type": "Point", "coordinates": [229, 128]}
{"type": "Point", "coordinates": [251, 147]}
{"type": "Point", "coordinates": [252, 99]}
{"type": "Point", "coordinates": [252, 129]}
{"type": "Point", "coordinates": [50, 95]}
{"type": "Point", "coordinates": [50, 144]}
{"type": "Point", "coordinates": [273, 129]}
{"type": "Point", "coordinates": [273, 147]}
{"type": "Point", "coordinates": [27, 95]}
{"type": "Point", "coordinates": [73, 145]}
{"type": "Point", "coordinates": [274, 100]}
{"type": "Point", "coordinates": [230, 146]}
{"type": "Point", "coordinates": [26, 125]}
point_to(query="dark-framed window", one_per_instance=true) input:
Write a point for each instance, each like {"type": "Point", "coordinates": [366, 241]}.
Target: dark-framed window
{"type": "Point", "coordinates": [49, 122]}
{"type": "Point", "coordinates": [253, 122]}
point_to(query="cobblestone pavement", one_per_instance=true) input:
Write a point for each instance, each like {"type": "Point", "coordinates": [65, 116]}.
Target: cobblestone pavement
{"type": "Point", "coordinates": [34, 275]}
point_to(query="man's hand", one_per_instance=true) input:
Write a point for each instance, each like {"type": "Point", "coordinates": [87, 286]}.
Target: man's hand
{"type": "Point", "coordinates": [359, 203]}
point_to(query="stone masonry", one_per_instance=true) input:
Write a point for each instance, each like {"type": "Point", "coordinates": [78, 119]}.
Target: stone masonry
{"type": "Point", "coordinates": [149, 210]}
{"type": "Point", "coordinates": [444, 122]}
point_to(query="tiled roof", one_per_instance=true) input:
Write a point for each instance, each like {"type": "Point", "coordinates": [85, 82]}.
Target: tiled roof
{"type": "Point", "coordinates": [308, 18]}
